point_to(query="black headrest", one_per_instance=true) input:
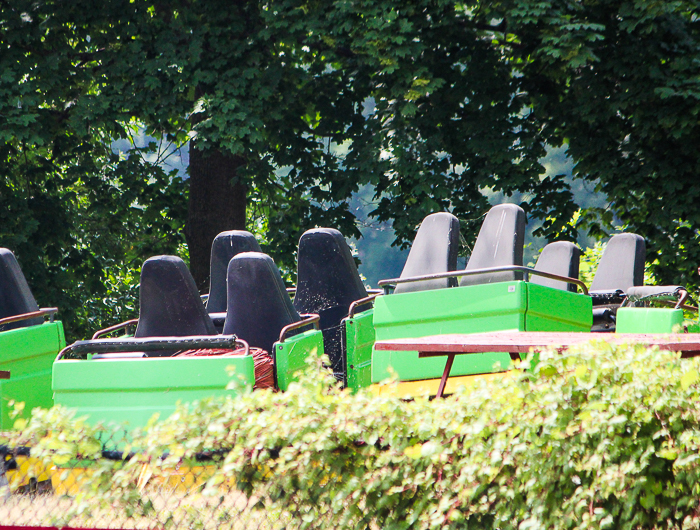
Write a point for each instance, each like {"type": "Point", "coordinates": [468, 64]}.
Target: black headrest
{"type": "Point", "coordinates": [258, 303]}
{"type": "Point", "coordinates": [326, 273]}
{"type": "Point", "coordinates": [561, 258]}
{"type": "Point", "coordinates": [225, 246]}
{"type": "Point", "coordinates": [500, 243]}
{"type": "Point", "coordinates": [170, 305]}
{"type": "Point", "coordinates": [622, 264]}
{"type": "Point", "coordinates": [15, 296]}
{"type": "Point", "coordinates": [433, 250]}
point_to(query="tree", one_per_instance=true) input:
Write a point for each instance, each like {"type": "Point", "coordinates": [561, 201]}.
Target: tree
{"type": "Point", "coordinates": [79, 217]}
{"type": "Point", "coordinates": [291, 105]}
{"type": "Point", "coordinates": [617, 81]}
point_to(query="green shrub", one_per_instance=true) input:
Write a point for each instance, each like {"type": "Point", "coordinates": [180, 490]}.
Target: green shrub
{"type": "Point", "coordinates": [597, 437]}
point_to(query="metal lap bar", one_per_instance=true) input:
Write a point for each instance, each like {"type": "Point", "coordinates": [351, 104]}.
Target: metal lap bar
{"type": "Point", "coordinates": [44, 311]}
{"type": "Point", "coordinates": [152, 344]}
{"type": "Point", "coordinates": [116, 327]}
{"type": "Point", "coordinates": [307, 319]}
{"type": "Point", "coordinates": [508, 268]}
{"type": "Point", "coordinates": [361, 302]}
{"type": "Point", "coordinates": [680, 295]}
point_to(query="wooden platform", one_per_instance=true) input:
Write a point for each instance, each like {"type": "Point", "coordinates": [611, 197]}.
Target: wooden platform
{"type": "Point", "coordinates": [517, 342]}
{"type": "Point", "coordinates": [4, 374]}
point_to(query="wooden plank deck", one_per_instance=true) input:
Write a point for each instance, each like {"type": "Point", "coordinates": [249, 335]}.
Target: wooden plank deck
{"type": "Point", "coordinates": [517, 342]}
{"type": "Point", "coordinates": [523, 341]}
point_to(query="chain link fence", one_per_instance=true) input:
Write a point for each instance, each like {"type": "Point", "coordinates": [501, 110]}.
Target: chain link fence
{"type": "Point", "coordinates": [39, 488]}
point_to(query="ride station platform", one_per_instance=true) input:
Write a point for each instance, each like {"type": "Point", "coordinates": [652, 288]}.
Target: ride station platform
{"type": "Point", "coordinates": [517, 342]}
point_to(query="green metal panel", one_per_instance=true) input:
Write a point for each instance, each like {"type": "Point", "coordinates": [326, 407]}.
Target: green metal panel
{"type": "Point", "coordinates": [556, 310]}
{"type": "Point", "coordinates": [469, 309]}
{"type": "Point", "coordinates": [28, 354]}
{"type": "Point", "coordinates": [132, 390]}
{"type": "Point", "coordinates": [648, 320]}
{"type": "Point", "coordinates": [358, 342]}
{"type": "Point", "coordinates": [291, 355]}
{"type": "Point", "coordinates": [513, 306]}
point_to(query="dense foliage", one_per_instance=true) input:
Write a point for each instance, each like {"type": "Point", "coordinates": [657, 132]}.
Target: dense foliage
{"type": "Point", "coordinates": [595, 438]}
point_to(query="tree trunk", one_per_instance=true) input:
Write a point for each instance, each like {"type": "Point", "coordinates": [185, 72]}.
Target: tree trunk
{"type": "Point", "coordinates": [217, 203]}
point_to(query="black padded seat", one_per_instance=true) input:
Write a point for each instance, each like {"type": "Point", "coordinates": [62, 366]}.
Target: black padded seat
{"type": "Point", "coordinates": [560, 258]}
{"type": "Point", "coordinates": [258, 303]}
{"type": "Point", "coordinates": [622, 264]}
{"type": "Point", "coordinates": [620, 267]}
{"type": "Point", "coordinates": [327, 284]}
{"type": "Point", "coordinates": [225, 246]}
{"type": "Point", "coordinates": [499, 244]}
{"type": "Point", "coordinates": [434, 250]}
{"type": "Point", "coordinates": [170, 305]}
{"type": "Point", "coordinates": [15, 296]}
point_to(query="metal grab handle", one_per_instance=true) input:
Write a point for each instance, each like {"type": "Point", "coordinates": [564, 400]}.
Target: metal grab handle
{"type": "Point", "coordinates": [507, 268]}
{"type": "Point", "coordinates": [151, 344]}
{"type": "Point", "coordinates": [307, 318]}
{"type": "Point", "coordinates": [44, 311]}
{"type": "Point", "coordinates": [360, 302]}
{"type": "Point", "coordinates": [681, 294]}
{"type": "Point", "coordinates": [116, 327]}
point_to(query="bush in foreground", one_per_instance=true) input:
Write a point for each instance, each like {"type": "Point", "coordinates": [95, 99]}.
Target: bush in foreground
{"type": "Point", "coordinates": [597, 437]}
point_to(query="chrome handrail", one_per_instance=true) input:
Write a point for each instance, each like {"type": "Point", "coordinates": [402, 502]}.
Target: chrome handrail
{"type": "Point", "coordinates": [44, 311]}
{"type": "Point", "coordinates": [360, 302]}
{"type": "Point", "coordinates": [508, 268]}
{"type": "Point", "coordinates": [313, 318]}
{"type": "Point", "coordinates": [116, 327]}
{"type": "Point", "coordinates": [681, 294]}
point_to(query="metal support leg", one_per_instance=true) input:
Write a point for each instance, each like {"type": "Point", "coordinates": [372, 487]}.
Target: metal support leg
{"type": "Point", "coordinates": [445, 375]}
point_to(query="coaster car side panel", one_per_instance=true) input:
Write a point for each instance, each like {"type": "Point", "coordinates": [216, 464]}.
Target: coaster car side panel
{"type": "Point", "coordinates": [28, 353]}
{"type": "Point", "coordinates": [501, 306]}
{"type": "Point", "coordinates": [552, 309]}
{"type": "Point", "coordinates": [648, 320]}
{"type": "Point", "coordinates": [358, 342]}
{"type": "Point", "coordinates": [291, 354]}
{"type": "Point", "coordinates": [491, 307]}
{"type": "Point", "coordinates": [132, 390]}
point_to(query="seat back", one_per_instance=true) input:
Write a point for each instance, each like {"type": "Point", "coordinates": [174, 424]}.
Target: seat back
{"type": "Point", "coordinates": [434, 250]}
{"type": "Point", "coordinates": [622, 264]}
{"type": "Point", "coordinates": [258, 303]}
{"type": "Point", "coordinates": [560, 258]}
{"type": "Point", "coordinates": [15, 296]}
{"type": "Point", "coordinates": [170, 305]}
{"type": "Point", "coordinates": [500, 243]}
{"type": "Point", "coordinates": [225, 246]}
{"type": "Point", "coordinates": [327, 283]}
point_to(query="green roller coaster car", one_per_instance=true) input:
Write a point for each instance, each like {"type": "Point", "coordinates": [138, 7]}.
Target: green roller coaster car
{"type": "Point", "coordinates": [28, 343]}
{"type": "Point", "coordinates": [128, 379]}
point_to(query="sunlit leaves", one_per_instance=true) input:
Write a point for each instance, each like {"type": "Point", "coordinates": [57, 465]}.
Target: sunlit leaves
{"type": "Point", "coordinates": [597, 437]}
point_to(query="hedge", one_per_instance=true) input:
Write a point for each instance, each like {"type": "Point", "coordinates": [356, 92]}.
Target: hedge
{"type": "Point", "coordinates": [597, 437]}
